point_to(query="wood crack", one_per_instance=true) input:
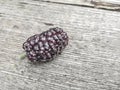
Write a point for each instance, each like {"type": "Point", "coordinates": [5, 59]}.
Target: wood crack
{"type": "Point", "coordinates": [91, 4]}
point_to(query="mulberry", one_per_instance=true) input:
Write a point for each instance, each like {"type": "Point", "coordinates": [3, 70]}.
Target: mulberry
{"type": "Point", "coordinates": [45, 46]}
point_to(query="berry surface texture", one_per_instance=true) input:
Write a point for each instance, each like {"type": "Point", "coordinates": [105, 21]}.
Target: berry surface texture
{"type": "Point", "coordinates": [46, 46]}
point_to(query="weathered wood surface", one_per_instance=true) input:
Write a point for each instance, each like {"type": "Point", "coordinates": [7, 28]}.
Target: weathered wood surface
{"type": "Point", "coordinates": [90, 62]}
{"type": "Point", "coordinates": [102, 4]}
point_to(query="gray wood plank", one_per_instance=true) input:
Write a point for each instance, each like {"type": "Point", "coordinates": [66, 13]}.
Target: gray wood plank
{"type": "Point", "coordinates": [103, 4]}
{"type": "Point", "coordinates": [9, 81]}
{"type": "Point", "coordinates": [90, 62]}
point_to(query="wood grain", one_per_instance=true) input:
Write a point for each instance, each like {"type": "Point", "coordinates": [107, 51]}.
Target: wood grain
{"type": "Point", "coordinates": [102, 4]}
{"type": "Point", "coordinates": [90, 62]}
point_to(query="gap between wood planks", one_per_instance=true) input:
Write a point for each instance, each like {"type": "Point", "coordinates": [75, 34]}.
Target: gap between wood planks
{"type": "Point", "coordinates": [112, 5]}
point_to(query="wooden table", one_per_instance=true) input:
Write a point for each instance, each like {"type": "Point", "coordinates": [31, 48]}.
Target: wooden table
{"type": "Point", "coordinates": [90, 62]}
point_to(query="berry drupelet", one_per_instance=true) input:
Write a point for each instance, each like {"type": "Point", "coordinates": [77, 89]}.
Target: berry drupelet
{"type": "Point", "coordinates": [45, 46]}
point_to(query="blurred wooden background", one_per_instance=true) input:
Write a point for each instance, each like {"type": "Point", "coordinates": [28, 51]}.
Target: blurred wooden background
{"type": "Point", "coordinates": [90, 62]}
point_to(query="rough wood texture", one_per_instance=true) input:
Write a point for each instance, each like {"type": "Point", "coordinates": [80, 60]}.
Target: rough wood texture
{"type": "Point", "coordinates": [102, 4]}
{"type": "Point", "coordinates": [90, 62]}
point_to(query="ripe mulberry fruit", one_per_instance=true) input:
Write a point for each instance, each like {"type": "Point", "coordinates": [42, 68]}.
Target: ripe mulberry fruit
{"type": "Point", "coordinates": [45, 46]}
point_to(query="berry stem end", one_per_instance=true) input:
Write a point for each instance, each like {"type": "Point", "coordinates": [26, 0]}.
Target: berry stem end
{"type": "Point", "coordinates": [23, 56]}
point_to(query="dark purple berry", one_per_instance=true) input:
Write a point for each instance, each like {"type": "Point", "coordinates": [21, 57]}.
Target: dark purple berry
{"type": "Point", "coordinates": [45, 46]}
